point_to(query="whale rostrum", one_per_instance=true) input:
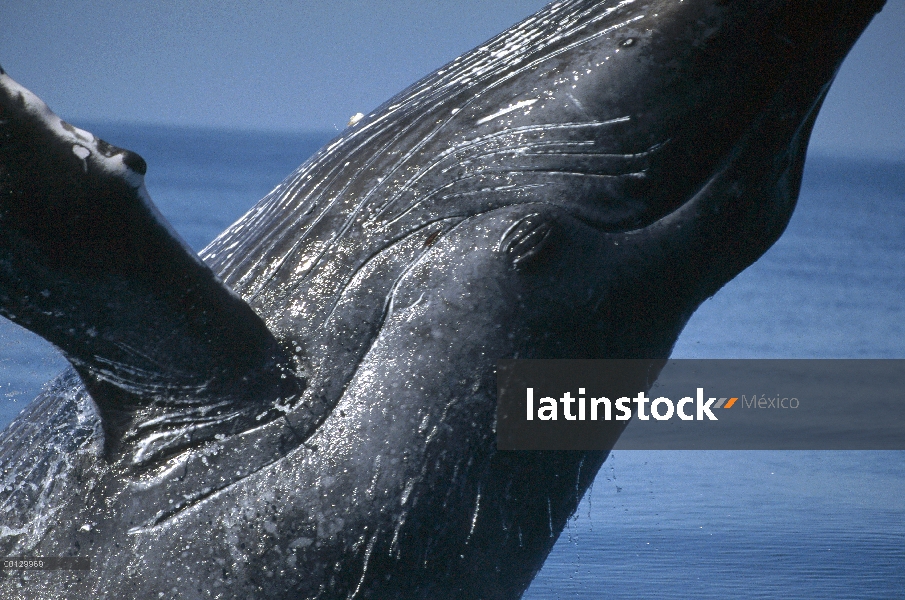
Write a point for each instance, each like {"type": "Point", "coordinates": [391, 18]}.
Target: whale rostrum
{"type": "Point", "coordinates": [307, 409]}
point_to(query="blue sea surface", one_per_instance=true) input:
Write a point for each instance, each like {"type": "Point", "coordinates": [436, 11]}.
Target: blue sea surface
{"type": "Point", "coordinates": [664, 524]}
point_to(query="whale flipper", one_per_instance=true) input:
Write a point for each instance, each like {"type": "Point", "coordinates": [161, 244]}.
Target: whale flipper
{"type": "Point", "coordinates": [170, 355]}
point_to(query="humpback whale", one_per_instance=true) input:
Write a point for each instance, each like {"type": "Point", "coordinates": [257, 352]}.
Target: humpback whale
{"type": "Point", "coordinates": [306, 409]}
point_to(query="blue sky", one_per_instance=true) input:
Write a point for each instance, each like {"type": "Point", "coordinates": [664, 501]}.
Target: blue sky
{"type": "Point", "coordinates": [294, 65]}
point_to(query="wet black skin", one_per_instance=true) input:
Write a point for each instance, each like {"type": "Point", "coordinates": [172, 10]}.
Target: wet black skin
{"type": "Point", "coordinates": [309, 412]}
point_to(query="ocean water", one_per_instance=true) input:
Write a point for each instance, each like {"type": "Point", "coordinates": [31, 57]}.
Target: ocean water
{"type": "Point", "coordinates": [657, 524]}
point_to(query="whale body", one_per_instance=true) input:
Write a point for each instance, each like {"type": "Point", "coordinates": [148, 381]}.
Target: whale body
{"type": "Point", "coordinates": [307, 409]}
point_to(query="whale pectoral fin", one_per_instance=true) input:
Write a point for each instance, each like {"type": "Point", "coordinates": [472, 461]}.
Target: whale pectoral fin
{"type": "Point", "coordinates": [170, 355]}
